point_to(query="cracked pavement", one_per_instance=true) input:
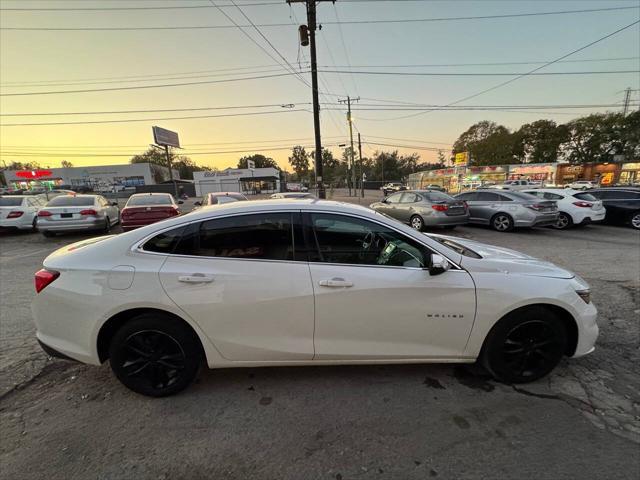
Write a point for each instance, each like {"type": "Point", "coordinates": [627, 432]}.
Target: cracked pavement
{"type": "Point", "coordinates": [413, 421]}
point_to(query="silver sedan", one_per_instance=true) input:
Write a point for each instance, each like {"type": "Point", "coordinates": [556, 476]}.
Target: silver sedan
{"type": "Point", "coordinates": [70, 213]}
{"type": "Point", "coordinates": [422, 208]}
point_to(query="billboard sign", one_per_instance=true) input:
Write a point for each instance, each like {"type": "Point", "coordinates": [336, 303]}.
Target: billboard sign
{"type": "Point", "coordinates": [165, 137]}
{"type": "Point", "coordinates": [251, 164]}
{"type": "Point", "coordinates": [461, 159]}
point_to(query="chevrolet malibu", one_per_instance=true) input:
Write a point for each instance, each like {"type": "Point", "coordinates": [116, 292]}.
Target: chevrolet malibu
{"type": "Point", "coordinates": [303, 282]}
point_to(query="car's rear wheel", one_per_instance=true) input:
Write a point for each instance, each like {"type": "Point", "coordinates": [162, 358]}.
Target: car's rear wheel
{"type": "Point", "coordinates": [634, 220]}
{"type": "Point", "coordinates": [155, 355]}
{"type": "Point", "coordinates": [564, 221]}
{"type": "Point", "coordinates": [417, 222]}
{"type": "Point", "coordinates": [502, 222]}
{"type": "Point", "coordinates": [524, 346]}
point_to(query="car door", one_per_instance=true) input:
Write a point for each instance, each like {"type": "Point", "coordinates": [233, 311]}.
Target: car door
{"type": "Point", "coordinates": [471, 198]}
{"type": "Point", "coordinates": [240, 280]}
{"type": "Point", "coordinates": [391, 205]}
{"type": "Point", "coordinates": [374, 297]}
{"type": "Point", "coordinates": [405, 209]}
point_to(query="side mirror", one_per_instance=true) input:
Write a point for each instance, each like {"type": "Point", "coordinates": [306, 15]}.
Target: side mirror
{"type": "Point", "coordinates": [439, 264]}
{"type": "Point", "coordinates": [114, 204]}
{"type": "Point", "coordinates": [180, 202]}
{"type": "Point", "coordinates": [197, 204]}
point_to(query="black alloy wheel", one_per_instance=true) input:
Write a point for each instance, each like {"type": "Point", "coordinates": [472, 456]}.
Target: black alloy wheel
{"type": "Point", "coordinates": [525, 346]}
{"type": "Point", "coordinates": [155, 355]}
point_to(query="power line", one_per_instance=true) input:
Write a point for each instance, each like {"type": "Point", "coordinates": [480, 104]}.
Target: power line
{"type": "Point", "coordinates": [101, 9]}
{"type": "Point", "coordinates": [511, 80]}
{"type": "Point", "coordinates": [343, 22]}
{"type": "Point", "coordinates": [477, 74]}
{"type": "Point", "coordinates": [132, 120]}
{"type": "Point", "coordinates": [139, 87]}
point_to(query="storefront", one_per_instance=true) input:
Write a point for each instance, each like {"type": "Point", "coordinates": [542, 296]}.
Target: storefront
{"type": "Point", "coordinates": [602, 173]}
{"type": "Point", "coordinates": [630, 174]}
{"type": "Point", "coordinates": [446, 178]}
{"type": "Point", "coordinates": [540, 172]}
{"type": "Point", "coordinates": [484, 176]}
{"type": "Point", "coordinates": [244, 180]}
{"type": "Point", "coordinates": [100, 178]}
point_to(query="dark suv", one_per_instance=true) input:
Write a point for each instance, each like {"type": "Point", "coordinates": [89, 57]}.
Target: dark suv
{"type": "Point", "coordinates": [622, 204]}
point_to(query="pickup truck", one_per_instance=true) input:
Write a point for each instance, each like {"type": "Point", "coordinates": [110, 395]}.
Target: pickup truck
{"type": "Point", "coordinates": [516, 185]}
{"type": "Point", "coordinates": [392, 187]}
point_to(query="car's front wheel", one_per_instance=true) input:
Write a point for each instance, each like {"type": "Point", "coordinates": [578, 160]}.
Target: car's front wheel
{"type": "Point", "coordinates": [525, 345]}
{"type": "Point", "coordinates": [634, 220]}
{"type": "Point", "coordinates": [502, 222]}
{"type": "Point", "coordinates": [417, 222]}
{"type": "Point", "coordinates": [155, 355]}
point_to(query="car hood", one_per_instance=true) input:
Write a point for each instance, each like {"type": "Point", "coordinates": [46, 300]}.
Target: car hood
{"type": "Point", "coordinates": [505, 260]}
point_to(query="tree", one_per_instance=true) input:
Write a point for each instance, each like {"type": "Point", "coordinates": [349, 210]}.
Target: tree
{"type": "Point", "coordinates": [597, 137]}
{"type": "Point", "coordinates": [299, 161]}
{"type": "Point", "coordinates": [66, 164]}
{"type": "Point", "coordinates": [441, 158]}
{"type": "Point", "coordinates": [539, 142]}
{"type": "Point", "coordinates": [333, 169]}
{"type": "Point", "coordinates": [183, 164]}
{"type": "Point", "coordinates": [260, 161]}
{"type": "Point", "coordinates": [487, 142]}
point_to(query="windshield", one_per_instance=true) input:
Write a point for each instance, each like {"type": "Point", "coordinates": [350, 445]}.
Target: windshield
{"type": "Point", "coordinates": [70, 201]}
{"type": "Point", "coordinates": [10, 202]}
{"type": "Point", "coordinates": [457, 247]}
{"type": "Point", "coordinates": [149, 200]}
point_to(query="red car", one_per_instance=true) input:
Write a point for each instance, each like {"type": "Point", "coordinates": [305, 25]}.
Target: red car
{"type": "Point", "coordinates": [147, 208]}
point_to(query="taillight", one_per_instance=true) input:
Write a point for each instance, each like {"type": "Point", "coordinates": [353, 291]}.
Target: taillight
{"type": "Point", "coordinates": [174, 211]}
{"type": "Point", "coordinates": [535, 206]}
{"type": "Point", "coordinates": [88, 211]}
{"type": "Point", "coordinates": [44, 213]}
{"type": "Point", "coordinates": [583, 204]}
{"type": "Point", "coordinates": [440, 208]}
{"type": "Point", "coordinates": [15, 214]}
{"type": "Point", "coordinates": [44, 277]}
{"type": "Point", "coordinates": [124, 213]}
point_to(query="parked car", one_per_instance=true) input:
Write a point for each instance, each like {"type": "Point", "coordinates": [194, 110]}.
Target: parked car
{"type": "Point", "coordinates": [433, 186]}
{"type": "Point", "coordinates": [581, 185]}
{"type": "Point", "coordinates": [297, 195]}
{"type": "Point", "coordinates": [239, 285]}
{"type": "Point", "coordinates": [504, 210]}
{"type": "Point", "coordinates": [420, 208]}
{"type": "Point", "coordinates": [72, 213]}
{"type": "Point", "coordinates": [574, 207]}
{"type": "Point", "coordinates": [392, 187]}
{"type": "Point", "coordinates": [516, 185]}
{"type": "Point", "coordinates": [146, 208]}
{"type": "Point", "coordinates": [622, 204]}
{"type": "Point", "coordinates": [218, 198]}
{"type": "Point", "coordinates": [20, 211]}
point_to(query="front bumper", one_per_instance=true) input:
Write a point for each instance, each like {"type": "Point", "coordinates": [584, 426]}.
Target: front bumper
{"type": "Point", "coordinates": [587, 331]}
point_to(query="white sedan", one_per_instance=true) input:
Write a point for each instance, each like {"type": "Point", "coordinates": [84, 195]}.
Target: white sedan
{"type": "Point", "coordinates": [575, 207]}
{"type": "Point", "coordinates": [20, 211]}
{"type": "Point", "coordinates": [303, 282]}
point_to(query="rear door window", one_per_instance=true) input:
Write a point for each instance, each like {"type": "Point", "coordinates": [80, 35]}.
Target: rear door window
{"type": "Point", "coordinates": [489, 197]}
{"type": "Point", "coordinates": [409, 198]}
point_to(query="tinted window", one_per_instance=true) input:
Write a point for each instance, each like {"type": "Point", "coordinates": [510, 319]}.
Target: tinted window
{"type": "Point", "coordinates": [354, 241]}
{"type": "Point", "coordinates": [467, 196]}
{"type": "Point", "coordinates": [394, 198]}
{"type": "Point", "coordinates": [585, 196]}
{"type": "Point", "coordinates": [267, 236]}
{"type": "Point", "coordinates": [164, 242]}
{"type": "Point", "coordinates": [619, 195]}
{"type": "Point", "coordinates": [409, 198]}
{"type": "Point", "coordinates": [488, 197]}
{"type": "Point", "coordinates": [519, 196]}
{"type": "Point", "coordinates": [225, 199]}
{"type": "Point", "coordinates": [504, 198]}
{"type": "Point", "coordinates": [70, 201]}
{"type": "Point", "coordinates": [150, 200]}
{"type": "Point", "coordinates": [10, 202]}
{"type": "Point", "coordinates": [552, 196]}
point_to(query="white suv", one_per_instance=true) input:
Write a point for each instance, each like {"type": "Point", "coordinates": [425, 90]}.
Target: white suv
{"type": "Point", "coordinates": [582, 185]}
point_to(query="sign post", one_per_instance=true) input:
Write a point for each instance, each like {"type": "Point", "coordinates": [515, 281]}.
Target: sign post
{"type": "Point", "coordinates": [166, 138]}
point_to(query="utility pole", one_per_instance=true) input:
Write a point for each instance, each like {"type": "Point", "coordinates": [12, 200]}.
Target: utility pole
{"type": "Point", "coordinates": [361, 167]}
{"type": "Point", "coordinates": [350, 121]}
{"type": "Point", "coordinates": [175, 187]}
{"type": "Point", "coordinates": [311, 32]}
{"type": "Point", "coordinates": [627, 99]}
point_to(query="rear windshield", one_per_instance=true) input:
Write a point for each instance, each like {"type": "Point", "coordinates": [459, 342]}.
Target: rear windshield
{"type": "Point", "coordinates": [226, 199]}
{"type": "Point", "coordinates": [10, 202]}
{"type": "Point", "coordinates": [520, 196]}
{"type": "Point", "coordinates": [70, 201]}
{"type": "Point", "coordinates": [586, 196]}
{"type": "Point", "coordinates": [437, 197]}
{"type": "Point", "coordinates": [150, 200]}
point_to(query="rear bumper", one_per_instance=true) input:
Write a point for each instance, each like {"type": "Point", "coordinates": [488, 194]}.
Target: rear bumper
{"type": "Point", "coordinates": [590, 216]}
{"type": "Point", "coordinates": [131, 224]}
{"type": "Point", "coordinates": [16, 223]}
{"type": "Point", "coordinates": [540, 220]}
{"type": "Point", "coordinates": [70, 226]}
{"type": "Point", "coordinates": [446, 220]}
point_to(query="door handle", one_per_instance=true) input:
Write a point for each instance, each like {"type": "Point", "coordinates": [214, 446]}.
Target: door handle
{"type": "Point", "coordinates": [196, 278]}
{"type": "Point", "coordinates": [335, 283]}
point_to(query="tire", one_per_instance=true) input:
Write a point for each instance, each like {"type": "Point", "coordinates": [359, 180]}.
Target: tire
{"type": "Point", "coordinates": [107, 225]}
{"type": "Point", "coordinates": [156, 355]}
{"type": "Point", "coordinates": [634, 220]}
{"type": "Point", "coordinates": [417, 222]}
{"type": "Point", "coordinates": [564, 221]}
{"type": "Point", "coordinates": [34, 224]}
{"type": "Point", "coordinates": [48, 234]}
{"type": "Point", "coordinates": [524, 346]}
{"type": "Point", "coordinates": [502, 222]}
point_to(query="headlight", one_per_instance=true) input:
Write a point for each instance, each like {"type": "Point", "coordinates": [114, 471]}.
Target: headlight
{"type": "Point", "coordinates": [584, 295]}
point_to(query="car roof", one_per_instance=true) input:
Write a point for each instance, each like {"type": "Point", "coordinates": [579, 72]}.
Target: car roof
{"type": "Point", "coordinates": [149, 194]}
{"type": "Point", "coordinates": [221, 194]}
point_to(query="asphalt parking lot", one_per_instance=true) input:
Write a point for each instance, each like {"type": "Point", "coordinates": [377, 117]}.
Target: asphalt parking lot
{"type": "Point", "coordinates": [405, 422]}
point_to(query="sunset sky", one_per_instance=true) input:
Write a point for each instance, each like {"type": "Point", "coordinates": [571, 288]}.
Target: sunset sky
{"type": "Point", "coordinates": [39, 60]}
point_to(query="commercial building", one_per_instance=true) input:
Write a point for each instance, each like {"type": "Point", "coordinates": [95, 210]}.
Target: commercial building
{"type": "Point", "coordinates": [101, 178]}
{"type": "Point", "coordinates": [243, 180]}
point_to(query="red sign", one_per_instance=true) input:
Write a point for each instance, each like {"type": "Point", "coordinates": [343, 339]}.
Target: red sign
{"type": "Point", "coordinates": [34, 174]}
